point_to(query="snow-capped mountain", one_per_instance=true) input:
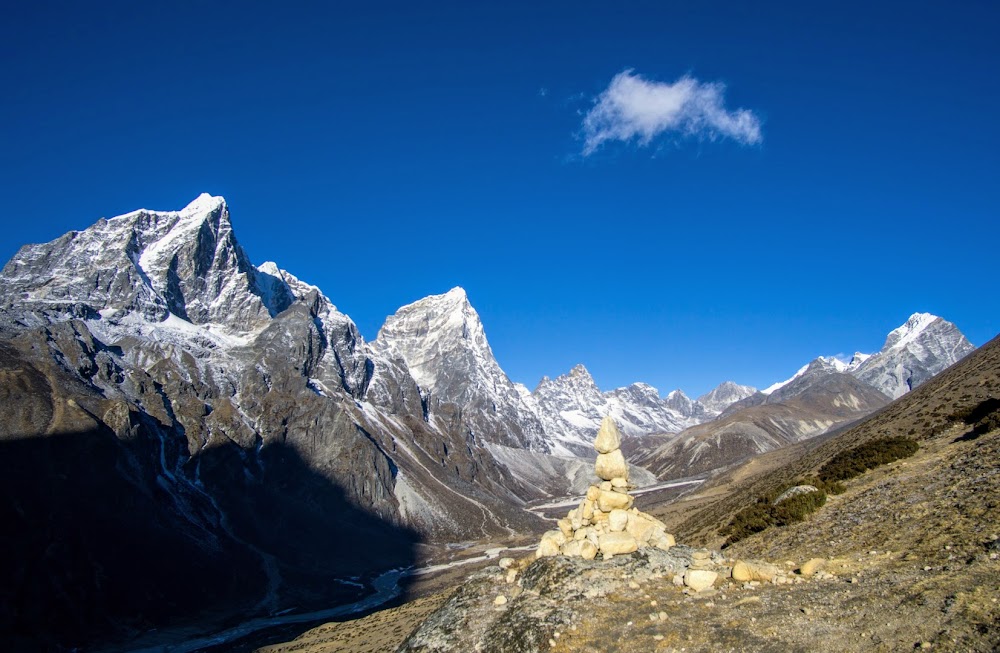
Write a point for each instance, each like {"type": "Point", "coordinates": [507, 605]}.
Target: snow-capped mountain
{"type": "Point", "coordinates": [722, 397]}
{"type": "Point", "coordinates": [571, 407]}
{"type": "Point", "coordinates": [821, 395]}
{"type": "Point", "coordinates": [236, 415]}
{"type": "Point", "coordinates": [443, 344]}
{"type": "Point", "coordinates": [221, 415]}
{"type": "Point", "coordinates": [913, 353]}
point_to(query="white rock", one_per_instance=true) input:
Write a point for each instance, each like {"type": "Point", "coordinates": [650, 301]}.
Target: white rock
{"type": "Point", "coordinates": [608, 438]}
{"type": "Point", "coordinates": [745, 570]}
{"type": "Point", "coordinates": [611, 465]}
{"type": "Point", "coordinates": [609, 501]}
{"type": "Point", "coordinates": [699, 579]}
{"type": "Point", "coordinates": [617, 543]}
{"type": "Point", "coordinates": [618, 520]}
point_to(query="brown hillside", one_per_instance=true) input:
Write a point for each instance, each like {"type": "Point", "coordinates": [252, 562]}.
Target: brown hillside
{"type": "Point", "coordinates": [922, 414]}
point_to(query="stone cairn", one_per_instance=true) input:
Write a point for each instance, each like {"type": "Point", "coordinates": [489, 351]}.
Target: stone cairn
{"type": "Point", "coordinates": [605, 521]}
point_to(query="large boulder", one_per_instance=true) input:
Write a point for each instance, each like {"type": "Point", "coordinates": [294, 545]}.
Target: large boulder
{"type": "Point", "coordinates": [608, 438]}
{"type": "Point", "coordinates": [617, 543]}
{"type": "Point", "coordinates": [611, 465]}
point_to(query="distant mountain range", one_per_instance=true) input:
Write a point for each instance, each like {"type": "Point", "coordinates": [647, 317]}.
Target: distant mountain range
{"type": "Point", "coordinates": [164, 397]}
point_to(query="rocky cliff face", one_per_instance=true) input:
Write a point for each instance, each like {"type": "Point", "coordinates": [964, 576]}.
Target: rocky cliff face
{"type": "Point", "coordinates": [571, 407]}
{"type": "Point", "coordinates": [912, 354]}
{"type": "Point", "coordinates": [238, 418]}
{"type": "Point", "coordinates": [443, 344]}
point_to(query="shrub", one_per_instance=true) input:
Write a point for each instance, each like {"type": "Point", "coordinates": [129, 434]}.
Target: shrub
{"type": "Point", "coordinates": [987, 424]}
{"type": "Point", "coordinates": [762, 515]}
{"type": "Point", "coordinates": [973, 414]}
{"type": "Point", "coordinates": [795, 509]}
{"type": "Point", "coordinates": [748, 521]}
{"type": "Point", "coordinates": [854, 462]}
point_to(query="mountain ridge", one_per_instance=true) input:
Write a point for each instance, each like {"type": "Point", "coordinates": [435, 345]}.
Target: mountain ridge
{"type": "Point", "coordinates": [212, 378]}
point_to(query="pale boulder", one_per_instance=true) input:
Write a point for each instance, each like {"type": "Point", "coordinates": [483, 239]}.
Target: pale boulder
{"type": "Point", "coordinates": [812, 566]}
{"type": "Point", "coordinates": [618, 520]}
{"type": "Point", "coordinates": [700, 579]}
{"type": "Point", "coordinates": [663, 541]}
{"type": "Point", "coordinates": [611, 465]}
{"type": "Point", "coordinates": [573, 548]}
{"type": "Point", "coordinates": [746, 570]}
{"type": "Point", "coordinates": [617, 543]}
{"type": "Point", "coordinates": [608, 437]}
{"type": "Point", "coordinates": [550, 544]}
{"type": "Point", "coordinates": [609, 501]}
{"type": "Point", "coordinates": [588, 550]}
{"type": "Point", "coordinates": [640, 527]}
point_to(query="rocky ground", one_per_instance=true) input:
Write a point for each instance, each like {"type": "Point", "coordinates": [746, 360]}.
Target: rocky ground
{"type": "Point", "coordinates": [924, 574]}
{"type": "Point", "coordinates": [911, 561]}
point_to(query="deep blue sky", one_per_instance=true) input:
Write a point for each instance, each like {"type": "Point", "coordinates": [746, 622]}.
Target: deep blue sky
{"type": "Point", "coordinates": [386, 152]}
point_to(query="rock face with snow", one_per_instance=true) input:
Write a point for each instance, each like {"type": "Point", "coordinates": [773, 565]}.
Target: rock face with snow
{"type": "Point", "coordinates": [443, 344]}
{"type": "Point", "coordinates": [823, 394]}
{"type": "Point", "coordinates": [922, 347]}
{"type": "Point", "coordinates": [163, 399]}
{"type": "Point", "coordinates": [726, 394]}
{"type": "Point", "coordinates": [571, 407]}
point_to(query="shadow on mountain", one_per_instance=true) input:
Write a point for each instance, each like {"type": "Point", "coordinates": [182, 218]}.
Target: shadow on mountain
{"type": "Point", "coordinates": [100, 545]}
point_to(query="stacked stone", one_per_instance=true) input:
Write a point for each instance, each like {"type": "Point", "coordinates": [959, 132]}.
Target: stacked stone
{"type": "Point", "coordinates": [605, 522]}
{"type": "Point", "coordinates": [699, 575]}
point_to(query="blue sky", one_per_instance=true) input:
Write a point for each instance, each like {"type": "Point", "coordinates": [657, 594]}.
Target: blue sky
{"type": "Point", "coordinates": [385, 152]}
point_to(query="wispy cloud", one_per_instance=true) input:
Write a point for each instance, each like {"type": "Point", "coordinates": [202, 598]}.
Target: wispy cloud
{"type": "Point", "coordinates": [635, 108]}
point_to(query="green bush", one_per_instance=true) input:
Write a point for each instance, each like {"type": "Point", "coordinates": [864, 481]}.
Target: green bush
{"type": "Point", "coordinates": [987, 424]}
{"type": "Point", "coordinates": [854, 462]}
{"type": "Point", "coordinates": [750, 520]}
{"type": "Point", "coordinates": [763, 514]}
{"type": "Point", "coordinates": [974, 414]}
{"type": "Point", "coordinates": [795, 509]}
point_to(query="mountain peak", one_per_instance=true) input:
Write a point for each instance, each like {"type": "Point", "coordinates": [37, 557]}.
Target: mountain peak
{"type": "Point", "coordinates": [910, 330]}
{"type": "Point", "coordinates": [430, 330]}
{"type": "Point", "coordinates": [205, 203]}
{"type": "Point", "coordinates": [724, 395]}
{"type": "Point", "coordinates": [457, 294]}
{"type": "Point", "coordinates": [913, 352]}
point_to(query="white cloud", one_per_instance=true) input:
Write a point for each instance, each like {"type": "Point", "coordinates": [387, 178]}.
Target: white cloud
{"type": "Point", "coordinates": [632, 107]}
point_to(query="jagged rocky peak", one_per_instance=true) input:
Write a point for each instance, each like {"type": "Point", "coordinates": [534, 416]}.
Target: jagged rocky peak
{"type": "Point", "coordinates": [724, 395]}
{"type": "Point", "coordinates": [577, 382]}
{"type": "Point", "coordinates": [857, 359]}
{"type": "Point", "coordinates": [677, 400]}
{"type": "Point", "coordinates": [911, 330]}
{"type": "Point", "coordinates": [442, 342]}
{"type": "Point", "coordinates": [434, 335]}
{"type": "Point", "coordinates": [914, 352]}
{"type": "Point", "coordinates": [153, 263]}
{"type": "Point", "coordinates": [639, 394]}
